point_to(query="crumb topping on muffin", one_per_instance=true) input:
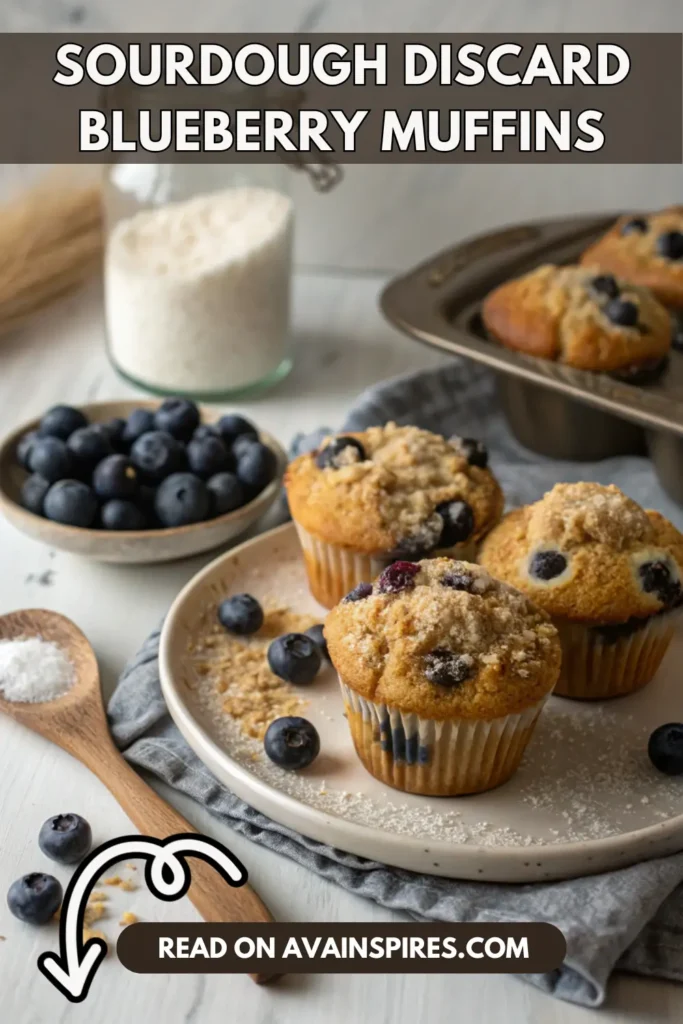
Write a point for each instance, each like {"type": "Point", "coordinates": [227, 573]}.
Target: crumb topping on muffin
{"type": "Point", "coordinates": [589, 553]}
{"type": "Point", "coordinates": [579, 316]}
{"type": "Point", "coordinates": [646, 249]}
{"type": "Point", "coordinates": [394, 488]}
{"type": "Point", "coordinates": [443, 639]}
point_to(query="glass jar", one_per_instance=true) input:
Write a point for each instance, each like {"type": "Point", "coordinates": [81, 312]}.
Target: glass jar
{"type": "Point", "coordinates": [197, 276]}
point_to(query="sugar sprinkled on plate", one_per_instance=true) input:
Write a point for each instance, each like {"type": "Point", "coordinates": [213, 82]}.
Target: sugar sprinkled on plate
{"type": "Point", "coordinates": [33, 670]}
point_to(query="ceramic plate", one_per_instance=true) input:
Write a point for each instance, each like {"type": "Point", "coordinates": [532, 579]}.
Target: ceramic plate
{"type": "Point", "coordinates": [586, 798]}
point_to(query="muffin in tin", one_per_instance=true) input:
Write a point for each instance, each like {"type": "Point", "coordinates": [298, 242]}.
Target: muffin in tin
{"type": "Point", "coordinates": [364, 500]}
{"type": "Point", "coordinates": [608, 573]}
{"type": "Point", "coordinates": [581, 317]}
{"type": "Point", "coordinates": [444, 671]}
{"type": "Point", "coordinates": [646, 249]}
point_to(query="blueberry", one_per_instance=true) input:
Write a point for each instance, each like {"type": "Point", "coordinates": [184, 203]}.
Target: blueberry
{"type": "Point", "coordinates": [670, 245]}
{"type": "Point", "coordinates": [35, 898]}
{"type": "Point", "coordinates": [206, 430]}
{"type": "Point", "coordinates": [61, 421]}
{"type": "Point", "coordinates": [676, 332]}
{"type": "Point", "coordinates": [546, 565]}
{"type": "Point", "coordinates": [177, 416]}
{"type": "Point", "coordinates": [605, 284]}
{"type": "Point", "coordinates": [182, 499]}
{"type": "Point", "coordinates": [241, 445]}
{"type": "Point", "coordinates": [114, 429]}
{"type": "Point", "coordinates": [397, 577]}
{"type": "Point", "coordinates": [665, 748]}
{"type": "Point", "coordinates": [231, 426]}
{"type": "Point", "coordinates": [139, 422]}
{"type": "Point", "coordinates": [226, 493]}
{"type": "Point", "coordinates": [636, 224]}
{"type": "Point", "coordinates": [33, 493]}
{"type": "Point", "coordinates": [317, 635]}
{"type": "Point", "coordinates": [25, 446]}
{"type": "Point", "coordinates": [66, 838]}
{"type": "Point", "coordinates": [340, 451]}
{"type": "Point", "coordinates": [657, 578]}
{"type": "Point", "coordinates": [291, 742]}
{"type": "Point", "coordinates": [359, 593]}
{"type": "Point", "coordinates": [458, 523]}
{"type": "Point", "coordinates": [115, 477]}
{"type": "Point", "coordinates": [474, 451]}
{"type": "Point", "coordinates": [50, 458]}
{"type": "Point", "coordinates": [256, 468]}
{"type": "Point", "coordinates": [240, 614]}
{"type": "Point", "coordinates": [71, 502]}
{"type": "Point", "coordinates": [156, 455]}
{"type": "Point", "coordinates": [88, 446]}
{"type": "Point", "coordinates": [446, 668]}
{"type": "Point", "coordinates": [295, 658]}
{"type": "Point", "coordinates": [621, 312]}
{"type": "Point", "coordinates": [119, 514]}
{"type": "Point", "coordinates": [209, 456]}
{"type": "Point", "coordinates": [458, 580]}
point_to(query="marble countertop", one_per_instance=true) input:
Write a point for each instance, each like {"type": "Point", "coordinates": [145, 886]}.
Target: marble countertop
{"type": "Point", "coordinates": [342, 346]}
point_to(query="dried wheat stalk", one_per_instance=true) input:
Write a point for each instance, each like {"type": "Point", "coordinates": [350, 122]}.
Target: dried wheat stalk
{"type": "Point", "coordinates": [50, 242]}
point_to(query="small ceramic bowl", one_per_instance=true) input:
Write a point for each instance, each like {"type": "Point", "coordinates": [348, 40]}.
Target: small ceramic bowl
{"type": "Point", "coordinates": [129, 546]}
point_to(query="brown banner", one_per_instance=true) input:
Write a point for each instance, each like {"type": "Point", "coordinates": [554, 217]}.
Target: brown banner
{"type": "Point", "coordinates": [341, 948]}
{"type": "Point", "coordinates": [383, 99]}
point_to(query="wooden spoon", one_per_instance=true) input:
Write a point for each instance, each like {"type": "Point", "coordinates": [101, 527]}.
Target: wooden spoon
{"type": "Point", "coordinates": [77, 723]}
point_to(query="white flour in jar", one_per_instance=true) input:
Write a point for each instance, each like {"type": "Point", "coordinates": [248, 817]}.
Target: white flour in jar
{"type": "Point", "coordinates": [197, 292]}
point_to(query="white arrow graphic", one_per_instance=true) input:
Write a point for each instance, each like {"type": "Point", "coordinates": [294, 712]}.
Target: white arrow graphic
{"type": "Point", "coordinates": [168, 877]}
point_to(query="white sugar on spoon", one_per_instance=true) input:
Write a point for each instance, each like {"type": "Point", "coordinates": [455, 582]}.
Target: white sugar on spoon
{"type": "Point", "coordinates": [33, 670]}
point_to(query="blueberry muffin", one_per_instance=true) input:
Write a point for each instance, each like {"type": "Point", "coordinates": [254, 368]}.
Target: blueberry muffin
{"type": "Point", "coordinates": [364, 500]}
{"type": "Point", "coordinates": [647, 250]}
{"type": "Point", "coordinates": [608, 573]}
{"type": "Point", "coordinates": [444, 671]}
{"type": "Point", "coordinates": [580, 317]}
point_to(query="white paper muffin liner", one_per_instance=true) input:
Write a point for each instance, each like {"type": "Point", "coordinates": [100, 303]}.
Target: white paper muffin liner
{"type": "Point", "coordinates": [333, 570]}
{"type": "Point", "coordinates": [437, 758]}
{"type": "Point", "coordinates": [595, 668]}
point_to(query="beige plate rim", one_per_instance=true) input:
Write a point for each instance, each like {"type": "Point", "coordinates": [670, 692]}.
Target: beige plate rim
{"type": "Point", "coordinates": [456, 860]}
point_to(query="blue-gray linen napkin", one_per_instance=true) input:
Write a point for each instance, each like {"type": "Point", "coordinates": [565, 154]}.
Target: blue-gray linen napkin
{"type": "Point", "coordinates": [629, 920]}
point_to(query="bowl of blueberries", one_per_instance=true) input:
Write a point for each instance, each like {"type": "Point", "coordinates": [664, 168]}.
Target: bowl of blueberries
{"type": "Point", "coordinates": [138, 481]}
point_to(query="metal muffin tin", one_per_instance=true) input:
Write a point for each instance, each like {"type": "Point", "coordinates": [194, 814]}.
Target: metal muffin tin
{"type": "Point", "coordinates": [551, 408]}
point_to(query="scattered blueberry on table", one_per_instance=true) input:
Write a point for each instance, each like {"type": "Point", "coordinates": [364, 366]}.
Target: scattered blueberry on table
{"type": "Point", "coordinates": [291, 742]}
{"type": "Point", "coordinates": [317, 635]}
{"type": "Point", "coordinates": [665, 748]}
{"type": "Point", "coordinates": [156, 469]}
{"type": "Point", "coordinates": [240, 614]}
{"type": "Point", "coordinates": [66, 838]}
{"type": "Point", "coordinates": [35, 898]}
{"type": "Point", "coordinates": [295, 657]}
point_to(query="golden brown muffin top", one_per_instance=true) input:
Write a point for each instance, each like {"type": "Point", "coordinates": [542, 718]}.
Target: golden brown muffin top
{"type": "Point", "coordinates": [646, 249]}
{"type": "Point", "coordinates": [580, 317]}
{"type": "Point", "coordinates": [385, 490]}
{"type": "Point", "coordinates": [590, 554]}
{"type": "Point", "coordinates": [443, 639]}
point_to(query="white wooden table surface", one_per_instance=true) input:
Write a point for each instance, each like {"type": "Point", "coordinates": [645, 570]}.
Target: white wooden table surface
{"type": "Point", "coordinates": [343, 346]}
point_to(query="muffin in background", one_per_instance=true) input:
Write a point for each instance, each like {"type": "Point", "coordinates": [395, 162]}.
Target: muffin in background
{"type": "Point", "coordinates": [607, 572]}
{"type": "Point", "coordinates": [580, 317]}
{"type": "Point", "coordinates": [364, 500]}
{"type": "Point", "coordinates": [444, 671]}
{"type": "Point", "coordinates": [646, 249]}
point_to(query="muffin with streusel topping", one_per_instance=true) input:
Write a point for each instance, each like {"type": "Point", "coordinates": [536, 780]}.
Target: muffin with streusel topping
{"type": "Point", "coordinates": [608, 573]}
{"type": "Point", "coordinates": [444, 671]}
{"type": "Point", "coordinates": [646, 249]}
{"type": "Point", "coordinates": [582, 318]}
{"type": "Point", "coordinates": [364, 500]}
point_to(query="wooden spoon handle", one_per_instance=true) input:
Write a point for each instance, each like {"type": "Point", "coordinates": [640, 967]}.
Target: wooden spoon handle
{"type": "Point", "coordinates": [152, 816]}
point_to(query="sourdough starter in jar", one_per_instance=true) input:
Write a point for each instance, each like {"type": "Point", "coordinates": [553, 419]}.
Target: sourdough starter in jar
{"type": "Point", "coordinates": [197, 292]}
